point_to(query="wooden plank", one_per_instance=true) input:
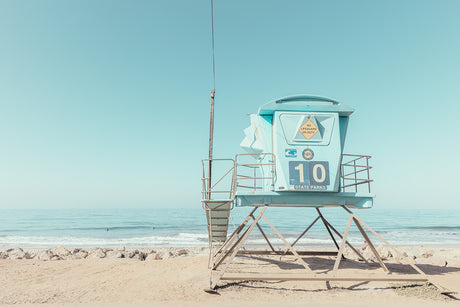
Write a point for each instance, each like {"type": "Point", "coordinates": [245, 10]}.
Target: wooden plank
{"type": "Point", "coordinates": [327, 228]}
{"type": "Point", "coordinates": [342, 246]}
{"type": "Point", "coordinates": [215, 205]}
{"type": "Point", "coordinates": [305, 265]}
{"type": "Point", "coordinates": [280, 253]}
{"type": "Point", "coordinates": [371, 245]}
{"type": "Point", "coordinates": [219, 227]}
{"type": "Point", "coordinates": [322, 277]}
{"type": "Point", "coordinates": [349, 245]}
{"type": "Point", "coordinates": [235, 248]}
{"type": "Point", "coordinates": [234, 235]}
{"type": "Point", "coordinates": [265, 237]}
{"type": "Point", "coordinates": [410, 260]}
{"type": "Point", "coordinates": [303, 233]}
{"type": "Point", "coordinates": [224, 254]}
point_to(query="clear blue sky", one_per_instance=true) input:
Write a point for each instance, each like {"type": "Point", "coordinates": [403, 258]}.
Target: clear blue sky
{"type": "Point", "coordinates": [106, 103]}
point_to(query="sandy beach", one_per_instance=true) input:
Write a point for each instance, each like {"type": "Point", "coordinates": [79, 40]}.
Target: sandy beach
{"type": "Point", "coordinates": [177, 277]}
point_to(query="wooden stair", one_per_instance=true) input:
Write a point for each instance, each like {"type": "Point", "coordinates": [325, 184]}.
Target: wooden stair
{"type": "Point", "coordinates": [217, 216]}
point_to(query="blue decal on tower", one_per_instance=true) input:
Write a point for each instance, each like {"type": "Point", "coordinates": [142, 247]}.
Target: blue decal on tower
{"type": "Point", "coordinates": [290, 153]}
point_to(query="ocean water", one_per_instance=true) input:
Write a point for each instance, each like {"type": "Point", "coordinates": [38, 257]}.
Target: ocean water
{"type": "Point", "coordinates": [187, 227]}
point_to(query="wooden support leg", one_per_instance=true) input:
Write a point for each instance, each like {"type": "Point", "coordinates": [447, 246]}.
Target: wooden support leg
{"type": "Point", "coordinates": [210, 257]}
{"type": "Point", "coordinates": [342, 246]}
{"type": "Point", "coordinates": [230, 249]}
{"type": "Point", "coordinates": [263, 234]}
{"type": "Point", "coordinates": [327, 228]}
{"type": "Point", "coordinates": [236, 248]}
{"type": "Point", "coordinates": [369, 242]}
{"type": "Point", "coordinates": [237, 230]}
{"type": "Point", "coordinates": [348, 243]}
{"type": "Point", "coordinates": [232, 237]}
{"type": "Point", "coordinates": [410, 260]}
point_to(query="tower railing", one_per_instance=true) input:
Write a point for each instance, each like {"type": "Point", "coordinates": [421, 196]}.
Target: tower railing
{"type": "Point", "coordinates": [255, 175]}
{"type": "Point", "coordinates": [222, 187]}
{"type": "Point", "coordinates": [354, 172]}
{"type": "Point", "coordinates": [231, 175]}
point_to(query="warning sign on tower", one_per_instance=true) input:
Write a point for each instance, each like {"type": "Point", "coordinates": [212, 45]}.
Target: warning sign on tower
{"type": "Point", "coordinates": [308, 129]}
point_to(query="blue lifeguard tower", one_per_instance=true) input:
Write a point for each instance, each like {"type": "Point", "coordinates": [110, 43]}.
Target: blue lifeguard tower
{"type": "Point", "coordinates": [297, 143]}
{"type": "Point", "coordinates": [294, 158]}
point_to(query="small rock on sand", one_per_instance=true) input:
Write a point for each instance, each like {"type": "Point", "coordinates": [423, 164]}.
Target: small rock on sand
{"type": "Point", "coordinates": [402, 256]}
{"type": "Point", "coordinates": [96, 253]}
{"type": "Point", "coordinates": [44, 255]}
{"type": "Point", "coordinates": [132, 253]}
{"type": "Point", "coordinates": [383, 252]}
{"type": "Point", "coordinates": [166, 255]}
{"type": "Point", "coordinates": [60, 251]}
{"type": "Point", "coordinates": [136, 257]}
{"type": "Point", "coordinates": [368, 254]}
{"type": "Point", "coordinates": [426, 254]}
{"type": "Point", "coordinates": [18, 253]}
{"type": "Point", "coordinates": [79, 255]}
{"type": "Point", "coordinates": [182, 252]}
{"type": "Point", "coordinates": [153, 256]}
{"type": "Point", "coordinates": [73, 251]}
{"type": "Point", "coordinates": [114, 254]}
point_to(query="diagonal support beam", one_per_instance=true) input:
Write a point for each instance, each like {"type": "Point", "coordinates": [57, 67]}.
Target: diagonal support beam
{"type": "Point", "coordinates": [342, 246]}
{"type": "Point", "coordinates": [236, 248]}
{"type": "Point", "coordinates": [371, 245]}
{"type": "Point", "coordinates": [223, 249]}
{"type": "Point", "coordinates": [411, 262]}
{"type": "Point", "coordinates": [263, 234]}
{"type": "Point", "coordinates": [237, 230]}
{"type": "Point", "coordinates": [230, 250]}
{"type": "Point", "coordinates": [348, 243]}
{"type": "Point", "coordinates": [305, 231]}
{"type": "Point", "coordinates": [327, 228]}
{"type": "Point", "coordinates": [288, 245]}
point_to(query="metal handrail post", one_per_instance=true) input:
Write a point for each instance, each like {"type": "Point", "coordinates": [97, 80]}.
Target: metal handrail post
{"type": "Point", "coordinates": [356, 183]}
{"type": "Point", "coordinates": [368, 176]}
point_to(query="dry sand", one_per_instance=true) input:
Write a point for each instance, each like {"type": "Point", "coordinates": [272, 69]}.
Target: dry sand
{"type": "Point", "coordinates": [179, 281]}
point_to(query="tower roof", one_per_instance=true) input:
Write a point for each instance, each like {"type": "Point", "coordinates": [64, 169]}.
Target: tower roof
{"type": "Point", "coordinates": [305, 103]}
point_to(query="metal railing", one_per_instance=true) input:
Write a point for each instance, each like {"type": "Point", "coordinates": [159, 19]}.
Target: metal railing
{"type": "Point", "coordinates": [223, 187]}
{"type": "Point", "coordinates": [252, 175]}
{"type": "Point", "coordinates": [352, 167]}
{"type": "Point", "coordinates": [255, 175]}
{"type": "Point", "coordinates": [260, 175]}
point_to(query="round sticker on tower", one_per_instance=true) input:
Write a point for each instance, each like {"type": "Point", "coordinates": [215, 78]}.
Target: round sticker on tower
{"type": "Point", "coordinates": [308, 154]}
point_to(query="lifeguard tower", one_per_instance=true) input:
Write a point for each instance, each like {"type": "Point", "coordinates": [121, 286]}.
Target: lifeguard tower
{"type": "Point", "coordinates": [294, 158]}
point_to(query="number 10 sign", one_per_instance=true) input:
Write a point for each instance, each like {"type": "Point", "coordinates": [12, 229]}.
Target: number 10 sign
{"type": "Point", "coordinates": [308, 175]}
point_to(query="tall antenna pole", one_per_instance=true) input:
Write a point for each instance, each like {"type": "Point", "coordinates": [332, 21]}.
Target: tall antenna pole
{"type": "Point", "coordinates": [211, 116]}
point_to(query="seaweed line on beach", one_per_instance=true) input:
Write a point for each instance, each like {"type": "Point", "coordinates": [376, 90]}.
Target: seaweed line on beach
{"type": "Point", "coordinates": [421, 290]}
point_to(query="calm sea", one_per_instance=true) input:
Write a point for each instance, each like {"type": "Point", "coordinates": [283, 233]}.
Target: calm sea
{"type": "Point", "coordinates": [187, 227]}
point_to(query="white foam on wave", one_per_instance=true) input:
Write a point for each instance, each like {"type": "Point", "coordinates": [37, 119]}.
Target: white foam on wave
{"type": "Point", "coordinates": [201, 239]}
{"type": "Point", "coordinates": [279, 242]}
{"type": "Point", "coordinates": [181, 239]}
